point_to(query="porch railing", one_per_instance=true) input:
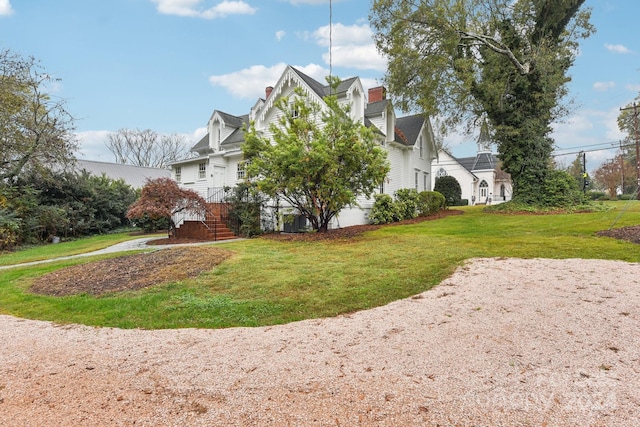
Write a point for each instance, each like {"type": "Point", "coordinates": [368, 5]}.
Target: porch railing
{"type": "Point", "coordinates": [218, 196]}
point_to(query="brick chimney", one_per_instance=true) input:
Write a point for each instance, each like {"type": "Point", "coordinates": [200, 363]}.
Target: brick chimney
{"type": "Point", "coordinates": [377, 94]}
{"type": "Point", "coordinates": [268, 91]}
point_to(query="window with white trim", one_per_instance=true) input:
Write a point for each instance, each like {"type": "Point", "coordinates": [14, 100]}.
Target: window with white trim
{"type": "Point", "coordinates": [178, 172]}
{"type": "Point", "coordinates": [415, 181]}
{"type": "Point", "coordinates": [484, 189]}
{"type": "Point", "coordinates": [441, 172]}
{"type": "Point", "coordinates": [202, 170]}
{"type": "Point", "coordinates": [241, 172]}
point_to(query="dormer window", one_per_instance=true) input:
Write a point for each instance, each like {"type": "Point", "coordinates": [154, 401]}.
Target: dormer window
{"type": "Point", "coordinates": [294, 111]}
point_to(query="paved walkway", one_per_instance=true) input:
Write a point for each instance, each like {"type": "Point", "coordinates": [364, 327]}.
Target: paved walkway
{"type": "Point", "coordinates": [129, 245]}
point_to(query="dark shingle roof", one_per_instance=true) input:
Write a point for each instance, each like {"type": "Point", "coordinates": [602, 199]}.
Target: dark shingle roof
{"type": "Point", "coordinates": [202, 145]}
{"type": "Point", "coordinates": [237, 136]}
{"type": "Point", "coordinates": [231, 120]}
{"type": "Point", "coordinates": [316, 86]}
{"type": "Point", "coordinates": [482, 161]}
{"type": "Point", "coordinates": [323, 90]}
{"type": "Point", "coordinates": [376, 108]}
{"type": "Point", "coordinates": [408, 128]}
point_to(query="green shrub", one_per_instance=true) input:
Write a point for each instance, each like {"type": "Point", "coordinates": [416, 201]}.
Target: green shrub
{"type": "Point", "coordinates": [245, 210]}
{"type": "Point", "coordinates": [384, 210]}
{"type": "Point", "coordinates": [560, 190]}
{"type": "Point", "coordinates": [430, 202]}
{"type": "Point", "coordinates": [149, 225]}
{"type": "Point", "coordinates": [9, 229]}
{"type": "Point", "coordinates": [596, 195]}
{"type": "Point", "coordinates": [406, 200]}
{"type": "Point", "coordinates": [449, 187]}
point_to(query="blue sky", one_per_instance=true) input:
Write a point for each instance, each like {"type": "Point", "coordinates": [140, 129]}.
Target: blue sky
{"type": "Point", "coordinates": [166, 65]}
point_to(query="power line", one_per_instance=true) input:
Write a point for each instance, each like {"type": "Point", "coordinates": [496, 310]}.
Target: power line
{"type": "Point", "coordinates": [556, 154]}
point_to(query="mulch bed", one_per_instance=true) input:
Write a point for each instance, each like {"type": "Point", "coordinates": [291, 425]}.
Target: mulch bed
{"type": "Point", "coordinates": [130, 272]}
{"type": "Point", "coordinates": [630, 234]}
{"type": "Point", "coordinates": [353, 231]}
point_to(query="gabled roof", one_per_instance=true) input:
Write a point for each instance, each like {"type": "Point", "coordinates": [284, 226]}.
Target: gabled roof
{"type": "Point", "coordinates": [231, 120]}
{"type": "Point", "coordinates": [408, 128]}
{"type": "Point", "coordinates": [315, 85]}
{"type": "Point", "coordinates": [237, 136]}
{"type": "Point", "coordinates": [321, 89]}
{"type": "Point", "coordinates": [202, 145]}
{"type": "Point", "coordinates": [376, 108]}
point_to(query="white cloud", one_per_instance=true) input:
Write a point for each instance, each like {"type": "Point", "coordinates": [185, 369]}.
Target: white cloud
{"type": "Point", "coordinates": [603, 86]}
{"type": "Point", "coordinates": [580, 133]}
{"type": "Point", "coordinates": [251, 82]}
{"type": "Point", "coordinates": [191, 8]}
{"type": "Point", "coordinates": [633, 88]}
{"type": "Point", "coordinates": [197, 135]}
{"type": "Point", "coordinates": [352, 46]}
{"type": "Point", "coordinates": [92, 146]}
{"type": "Point", "coordinates": [617, 48]}
{"type": "Point", "coordinates": [280, 35]}
{"type": "Point", "coordinates": [5, 7]}
{"type": "Point", "coordinates": [369, 83]}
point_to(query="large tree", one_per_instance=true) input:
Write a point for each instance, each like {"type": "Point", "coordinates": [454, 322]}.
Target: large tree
{"type": "Point", "coordinates": [506, 59]}
{"type": "Point", "coordinates": [319, 160]}
{"type": "Point", "coordinates": [146, 147]}
{"type": "Point", "coordinates": [36, 130]}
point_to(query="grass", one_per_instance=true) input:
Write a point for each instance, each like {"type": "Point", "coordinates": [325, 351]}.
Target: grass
{"type": "Point", "coordinates": [72, 247]}
{"type": "Point", "coordinates": [270, 282]}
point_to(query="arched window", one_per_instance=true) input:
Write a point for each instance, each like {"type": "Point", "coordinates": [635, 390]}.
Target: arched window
{"type": "Point", "coordinates": [441, 172]}
{"type": "Point", "coordinates": [484, 189]}
{"type": "Point", "coordinates": [502, 192]}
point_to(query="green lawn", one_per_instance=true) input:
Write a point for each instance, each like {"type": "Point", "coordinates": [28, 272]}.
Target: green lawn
{"type": "Point", "coordinates": [72, 247]}
{"type": "Point", "coordinates": [269, 282]}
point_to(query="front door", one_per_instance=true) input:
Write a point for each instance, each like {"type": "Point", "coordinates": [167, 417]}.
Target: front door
{"type": "Point", "coordinates": [219, 176]}
{"type": "Point", "coordinates": [484, 191]}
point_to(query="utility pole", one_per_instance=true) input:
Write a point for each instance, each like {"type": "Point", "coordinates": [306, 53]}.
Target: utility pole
{"type": "Point", "coordinates": [637, 138]}
{"type": "Point", "coordinates": [585, 181]}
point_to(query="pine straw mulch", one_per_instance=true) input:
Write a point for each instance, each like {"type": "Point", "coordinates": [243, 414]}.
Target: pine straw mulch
{"type": "Point", "coordinates": [132, 272]}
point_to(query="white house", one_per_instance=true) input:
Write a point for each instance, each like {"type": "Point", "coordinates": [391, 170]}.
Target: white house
{"type": "Point", "coordinates": [408, 141]}
{"type": "Point", "coordinates": [480, 177]}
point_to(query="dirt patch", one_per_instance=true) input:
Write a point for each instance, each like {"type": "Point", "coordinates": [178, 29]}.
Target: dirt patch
{"type": "Point", "coordinates": [130, 272]}
{"type": "Point", "coordinates": [630, 234]}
